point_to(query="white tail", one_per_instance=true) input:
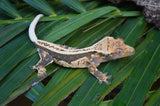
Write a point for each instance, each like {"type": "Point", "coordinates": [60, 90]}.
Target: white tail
{"type": "Point", "coordinates": [32, 26]}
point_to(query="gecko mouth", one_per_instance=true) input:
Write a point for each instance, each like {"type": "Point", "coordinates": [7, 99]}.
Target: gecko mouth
{"type": "Point", "coordinates": [130, 53]}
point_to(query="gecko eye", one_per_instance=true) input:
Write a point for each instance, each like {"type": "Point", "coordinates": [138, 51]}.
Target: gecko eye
{"type": "Point", "coordinates": [119, 51]}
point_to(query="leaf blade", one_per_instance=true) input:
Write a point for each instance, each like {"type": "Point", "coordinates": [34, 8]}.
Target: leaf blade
{"type": "Point", "coordinates": [42, 6]}
{"type": "Point", "coordinates": [77, 22]}
{"type": "Point", "coordinates": [6, 6]}
{"type": "Point", "coordinates": [74, 4]}
{"type": "Point", "coordinates": [154, 99]}
{"type": "Point", "coordinates": [7, 33]}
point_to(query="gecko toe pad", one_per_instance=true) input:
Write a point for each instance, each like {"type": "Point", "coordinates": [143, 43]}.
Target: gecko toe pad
{"type": "Point", "coordinates": [41, 72]}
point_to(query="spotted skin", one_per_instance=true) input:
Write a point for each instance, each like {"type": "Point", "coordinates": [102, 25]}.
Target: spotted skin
{"type": "Point", "coordinates": [90, 57]}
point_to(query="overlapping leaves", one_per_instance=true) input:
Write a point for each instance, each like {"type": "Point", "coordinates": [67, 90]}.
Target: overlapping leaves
{"type": "Point", "coordinates": [81, 30]}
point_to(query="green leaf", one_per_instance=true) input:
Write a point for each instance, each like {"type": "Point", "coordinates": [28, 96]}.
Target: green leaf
{"type": "Point", "coordinates": [154, 99]}
{"type": "Point", "coordinates": [142, 77]}
{"type": "Point", "coordinates": [15, 78]}
{"type": "Point", "coordinates": [91, 5]}
{"type": "Point", "coordinates": [158, 76]}
{"type": "Point", "coordinates": [28, 83]}
{"type": "Point", "coordinates": [12, 21]}
{"type": "Point", "coordinates": [6, 6]}
{"type": "Point", "coordinates": [130, 13]}
{"type": "Point", "coordinates": [42, 6]}
{"type": "Point", "coordinates": [123, 14]}
{"type": "Point", "coordinates": [77, 22]}
{"type": "Point", "coordinates": [105, 103]}
{"type": "Point", "coordinates": [7, 33]}
{"type": "Point", "coordinates": [17, 52]}
{"type": "Point", "coordinates": [74, 4]}
{"type": "Point", "coordinates": [34, 92]}
{"type": "Point", "coordinates": [55, 94]}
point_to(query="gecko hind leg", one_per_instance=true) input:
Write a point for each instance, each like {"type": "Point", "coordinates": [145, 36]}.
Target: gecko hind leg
{"type": "Point", "coordinates": [41, 70]}
{"type": "Point", "coordinates": [45, 59]}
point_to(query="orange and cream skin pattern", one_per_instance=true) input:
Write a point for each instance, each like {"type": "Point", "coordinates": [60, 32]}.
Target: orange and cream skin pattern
{"type": "Point", "coordinates": [90, 57]}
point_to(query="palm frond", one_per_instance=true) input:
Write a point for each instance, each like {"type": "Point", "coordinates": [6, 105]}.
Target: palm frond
{"type": "Point", "coordinates": [89, 22]}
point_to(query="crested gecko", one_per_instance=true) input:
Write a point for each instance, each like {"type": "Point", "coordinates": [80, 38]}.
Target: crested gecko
{"type": "Point", "coordinates": [90, 57]}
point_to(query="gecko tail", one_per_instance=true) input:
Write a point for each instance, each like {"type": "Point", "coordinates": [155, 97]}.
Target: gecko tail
{"type": "Point", "coordinates": [32, 26]}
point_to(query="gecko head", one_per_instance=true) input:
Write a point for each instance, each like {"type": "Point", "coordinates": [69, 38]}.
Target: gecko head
{"type": "Point", "coordinates": [118, 49]}
{"type": "Point", "coordinates": [115, 48]}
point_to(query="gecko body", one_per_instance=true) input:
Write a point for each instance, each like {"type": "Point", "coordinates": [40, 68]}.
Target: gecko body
{"type": "Point", "coordinates": [90, 57]}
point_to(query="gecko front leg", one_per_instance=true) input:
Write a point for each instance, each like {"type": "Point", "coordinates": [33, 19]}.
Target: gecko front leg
{"type": "Point", "coordinates": [45, 59]}
{"type": "Point", "coordinates": [92, 67]}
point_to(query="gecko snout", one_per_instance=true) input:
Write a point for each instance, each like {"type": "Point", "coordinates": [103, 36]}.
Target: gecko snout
{"type": "Point", "coordinates": [129, 51]}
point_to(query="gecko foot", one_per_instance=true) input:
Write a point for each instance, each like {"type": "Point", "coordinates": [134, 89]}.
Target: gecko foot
{"type": "Point", "coordinates": [104, 78]}
{"type": "Point", "coordinates": [41, 71]}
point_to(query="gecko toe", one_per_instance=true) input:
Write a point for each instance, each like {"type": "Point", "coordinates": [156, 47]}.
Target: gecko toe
{"type": "Point", "coordinates": [108, 76]}
{"type": "Point", "coordinates": [32, 67]}
{"type": "Point", "coordinates": [108, 83]}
